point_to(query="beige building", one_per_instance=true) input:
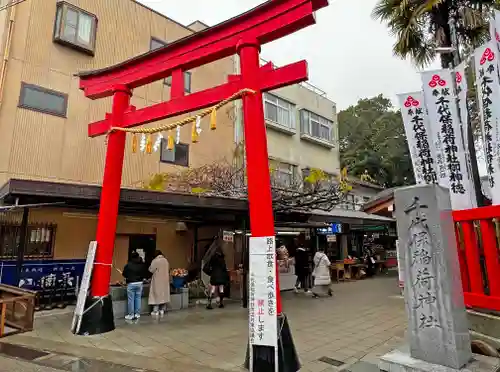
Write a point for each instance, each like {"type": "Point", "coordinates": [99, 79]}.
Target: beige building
{"type": "Point", "coordinates": [44, 118]}
{"type": "Point", "coordinates": [302, 131]}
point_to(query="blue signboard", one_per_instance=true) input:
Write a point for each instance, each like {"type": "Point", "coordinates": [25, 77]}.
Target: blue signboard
{"type": "Point", "coordinates": [38, 275]}
{"type": "Point", "coordinates": [334, 228]}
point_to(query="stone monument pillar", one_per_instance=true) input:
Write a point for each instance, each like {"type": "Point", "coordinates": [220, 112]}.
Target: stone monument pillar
{"type": "Point", "coordinates": [438, 330]}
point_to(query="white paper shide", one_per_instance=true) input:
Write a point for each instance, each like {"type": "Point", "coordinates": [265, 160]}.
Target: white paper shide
{"type": "Point", "coordinates": [263, 329]}
{"type": "Point", "coordinates": [416, 125]}
{"type": "Point", "coordinates": [445, 130]}
{"type": "Point", "coordinates": [486, 64]}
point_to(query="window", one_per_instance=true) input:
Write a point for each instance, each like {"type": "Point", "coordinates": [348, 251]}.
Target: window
{"type": "Point", "coordinates": [279, 111]}
{"type": "Point", "coordinates": [187, 81]}
{"type": "Point", "coordinates": [44, 100]}
{"type": "Point", "coordinates": [179, 155]}
{"type": "Point", "coordinates": [284, 173]}
{"type": "Point", "coordinates": [75, 27]}
{"type": "Point", "coordinates": [39, 241]}
{"type": "Point", "coordinates": [316, 126]}
{"type": "Point", "coordinates": [157, 43]}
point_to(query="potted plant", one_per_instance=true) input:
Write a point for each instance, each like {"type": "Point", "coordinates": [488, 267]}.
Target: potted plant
{"type": "Point", "coordinates": [179, 277]}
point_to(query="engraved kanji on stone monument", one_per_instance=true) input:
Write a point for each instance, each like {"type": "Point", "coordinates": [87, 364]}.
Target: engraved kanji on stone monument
{"type": "Point", "coordinates": [438, 329]}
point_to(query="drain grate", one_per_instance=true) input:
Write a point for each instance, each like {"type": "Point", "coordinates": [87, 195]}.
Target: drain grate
{"type": "Point", "coordinates": [333, 362]}
{"type": "Point", "coordinates": [21, 352]}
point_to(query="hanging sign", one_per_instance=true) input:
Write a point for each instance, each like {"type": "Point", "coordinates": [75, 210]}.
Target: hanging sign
{"type": "Point", "coordinates": [488, 88]}
{"type": "Point", "coordinates": [228, 236]}
{"type": "Point", "coordinates": [416, 125]}
{"type": "Point", "coordinates": [331, 238]}
{"type": "Point", "coordinates": [84, 288]}
{"type": "Point", "coordinates": [445, 128]}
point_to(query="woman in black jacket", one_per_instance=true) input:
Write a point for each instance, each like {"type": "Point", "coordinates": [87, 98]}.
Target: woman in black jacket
{"type": "Point", "coordinates": [134, 272]}
{"type": "Point", "coordinates": [219, 277]}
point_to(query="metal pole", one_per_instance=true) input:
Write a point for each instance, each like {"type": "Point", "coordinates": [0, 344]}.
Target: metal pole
{"type": "Point", "coordinates": [23, 238]}
{"type": "Point", "coordinates": [470, 147]}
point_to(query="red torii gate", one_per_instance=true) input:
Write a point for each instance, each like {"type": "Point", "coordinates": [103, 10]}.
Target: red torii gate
{"type": "Point", "coordinates": [243, 35]}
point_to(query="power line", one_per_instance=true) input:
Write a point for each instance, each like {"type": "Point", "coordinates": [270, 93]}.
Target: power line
{"type": "Point", "coordinates": [11, 4]}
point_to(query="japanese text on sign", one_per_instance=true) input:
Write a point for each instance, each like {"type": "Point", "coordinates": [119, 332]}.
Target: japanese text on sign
{"type": "Point", "coordinates": [262, 296]}
{"type": "Point", "coordinates": [442, 94]}
{"type": "Point", "coordinates": [424, 282]}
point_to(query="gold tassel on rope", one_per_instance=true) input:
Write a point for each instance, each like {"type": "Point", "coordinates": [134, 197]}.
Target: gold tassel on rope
{"type": "Point", "coordinates": [213, 119]}
{"type": "Point", "coordinates": [194, 133]}
{"type": "Point", "coordinates": [212, 111]}
{"type": "Point", "coordinates": [134, 144]}
{"type": "Point", "coordinates": [149, 144]}
{"type": "Point", "coordinates": [170, 141]}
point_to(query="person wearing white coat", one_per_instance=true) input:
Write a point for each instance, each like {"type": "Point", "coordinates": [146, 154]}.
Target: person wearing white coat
{"type": "Point", "coordinates": [321, 273]}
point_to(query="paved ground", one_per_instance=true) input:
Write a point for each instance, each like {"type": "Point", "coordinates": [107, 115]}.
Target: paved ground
{"type": "Point", "coordinates": [363, 320]}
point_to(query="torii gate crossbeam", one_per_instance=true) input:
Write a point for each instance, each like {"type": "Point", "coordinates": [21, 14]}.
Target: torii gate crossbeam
{"type": "Point", "coordinates": [243, 35]}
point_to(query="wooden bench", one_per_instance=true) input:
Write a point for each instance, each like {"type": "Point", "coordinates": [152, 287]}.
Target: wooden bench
{"type": "Point", "coordinates": [17, 310]}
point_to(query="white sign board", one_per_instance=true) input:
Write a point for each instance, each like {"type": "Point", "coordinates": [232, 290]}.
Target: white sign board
{"type": "Point", "coordinates": [331, 238]}
{"type": "Point", "coordinates": [228, 236]}
{"type": "Point", "coordinates": [263, 320]}
{"type": "Point", "coordinates": [84, 288]}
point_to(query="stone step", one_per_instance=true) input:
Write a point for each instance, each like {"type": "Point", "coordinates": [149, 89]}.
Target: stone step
{"type": "Point", "coordinates": [487, 324]}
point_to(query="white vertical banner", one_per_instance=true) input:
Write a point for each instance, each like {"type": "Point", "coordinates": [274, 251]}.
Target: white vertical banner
{"type": "Point", "coordinates": [263, 320]}
{"type": "Point", "coordinates": [416, 125]}
{"type": "Point", "coordinates": [437, 144]}
{"type": "Point", "coordinates": [488, 89]}
{"type": "Point", "coordinates": [461, 89]}
{"type": "Point", "coordinates": [444, 121]}
{"type": "Point", "coordinates": [495, 29]}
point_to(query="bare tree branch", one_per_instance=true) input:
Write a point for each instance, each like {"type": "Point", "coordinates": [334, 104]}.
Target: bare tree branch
{"type": "Point", "coordinates": [228, 179]}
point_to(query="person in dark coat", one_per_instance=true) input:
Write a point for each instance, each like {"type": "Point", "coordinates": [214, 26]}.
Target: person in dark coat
{"type": "Point", "coordinates": [301, 269]}
{"type": "Point", "coordinates": [219, 277]}
{"type": "Point", "coordinates": [134, 272]}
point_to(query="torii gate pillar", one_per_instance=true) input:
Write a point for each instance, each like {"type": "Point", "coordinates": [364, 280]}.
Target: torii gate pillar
{"type": "Point", "coordinates": [244, 35]}
{"type": "Point", "coordinates": [260, 204]}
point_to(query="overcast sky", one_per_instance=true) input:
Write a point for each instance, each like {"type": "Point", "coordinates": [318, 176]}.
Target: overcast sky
{"type": "Point", "coordinates": [349, 54]}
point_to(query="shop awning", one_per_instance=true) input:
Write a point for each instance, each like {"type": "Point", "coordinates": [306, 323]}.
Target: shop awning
{"type": "Point", "coordinates": [350, 217]}
{"type": "Point", "coordinates": [132, 201]}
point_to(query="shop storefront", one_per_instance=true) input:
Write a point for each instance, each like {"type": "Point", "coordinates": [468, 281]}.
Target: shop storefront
{"type": "Point", "coordinates": [329, 239]}
{"type": "Point", "coordinates": [61, 221]}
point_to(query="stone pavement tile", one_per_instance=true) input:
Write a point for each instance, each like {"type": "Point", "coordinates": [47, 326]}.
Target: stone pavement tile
{"type": "Point", "coordinates": [13, 365]}
{"type": "Point", "coordinates": [357, 320]}
{"type": "Point", "coordinates": [362, 367]}
{"type": "Point", "coordinates": [315, 366]}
